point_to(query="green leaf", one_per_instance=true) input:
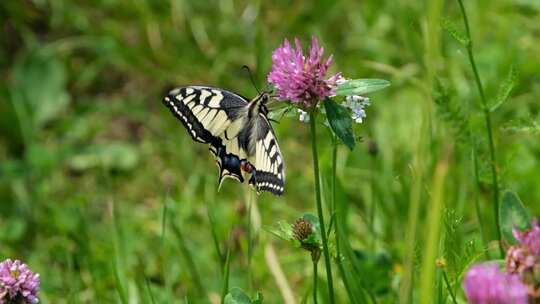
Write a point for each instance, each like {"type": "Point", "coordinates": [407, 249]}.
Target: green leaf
{"type": "Point", "coordinates": [40, 81]}
{"type": "Point", "coordinates": [284, 232]}
{"type": "Point", "coordinates": [286, 111]}
{"type": "Point", "coordinates": [238, 296]}
{"type": "Point", "coordinates": [340, 121]}
{"type": "Point", "coordinates": [453, 31]}
{"type": "Point", "coordinates": [361, 86]}
{"type": "Point", "coordinates": [314, 238]}
{"type": "Point", "coordinates": [528, 126]}
{"type": "Point", "coordinates": [505, 89]}
{"type": "Point", "coordinates": [314, 220]}
{"type": "Point", "coordinates": [114, 156]}
{"type": "Point", "coordinates": [512, 214]}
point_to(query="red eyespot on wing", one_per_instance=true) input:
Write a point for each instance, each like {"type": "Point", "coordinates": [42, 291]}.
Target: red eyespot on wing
{"type": "Point", "coordinates": [246, 166]}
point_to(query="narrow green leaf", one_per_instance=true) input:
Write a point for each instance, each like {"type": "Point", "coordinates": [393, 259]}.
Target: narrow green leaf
{"type": "Point", "coordinates": [118, 283]}
{"type": "Point", "coordinates": [505, 89]}
{"type": "Point", "coordinates": [226, 273]}
{"type": "Point", "coordinates": [512, 215]}
{"type": "Point", "coordinates": [361, 86]}
{"type": "Point", "coordinates": [340, 121]}
{"type": "Point", "coordinates": [451, 28]}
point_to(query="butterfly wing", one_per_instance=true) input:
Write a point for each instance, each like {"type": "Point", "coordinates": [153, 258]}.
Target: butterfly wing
{"type": "Point", "coordinates": [215, 117]}
{"type": "Point", "coordinates": [205, 112]}
{"type": "Point", "coordinates": [269, 165]}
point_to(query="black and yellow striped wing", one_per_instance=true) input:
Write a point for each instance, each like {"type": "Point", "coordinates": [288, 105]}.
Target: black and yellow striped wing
{"type": "Point", "coordinates": [221, 119]}
{"type": "Point", "coordinates": [270, 168]}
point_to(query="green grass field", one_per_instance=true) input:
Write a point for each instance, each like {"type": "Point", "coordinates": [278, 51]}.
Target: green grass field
{"type": "Point", "coordinates": [105, 194]}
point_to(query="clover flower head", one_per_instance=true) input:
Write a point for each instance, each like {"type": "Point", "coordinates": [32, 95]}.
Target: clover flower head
{"type": "Point", "coordinates": [305, 233]}
{"type": "Point", "coordinates": [519, 260]}
{"type": "Point", "coordinates": [486, 284]}
{"type": "Point", "coordinates": [300, 78]}
{"type": "Point", "coordinates": [529, 238]}
{"type": "Point", "coordinates": [302, 229]}
{"type": "Point", "coordinates": [18, 282]}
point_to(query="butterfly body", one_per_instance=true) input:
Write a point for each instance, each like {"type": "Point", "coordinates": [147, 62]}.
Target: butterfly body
{"type": "Point", "coordinates": [237, 131]}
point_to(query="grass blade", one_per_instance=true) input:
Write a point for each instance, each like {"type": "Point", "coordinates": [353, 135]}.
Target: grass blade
{"type": "Point", "coordinates": [186, 253]}
{"type": "Point", "coordinates": [427, 276]}
{"type": "Point", "coordinates": [226, 272]}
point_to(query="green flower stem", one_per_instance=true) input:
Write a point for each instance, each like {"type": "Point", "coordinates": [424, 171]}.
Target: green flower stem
{"type": "Point", "coordinates": [226, 271]}
{"type": "Point", "coordinates": [334, 174]}
{"type": "Point", "coordinates": [188, 256]}
{"type": "Point", "coordinates": [251, 198]}
{"type": "Point", "coordinates": [487, 117]}
{"type": "Point", "coordinates": [450, 291]}
{"type": "Point", "coordinates": [315, 281]}
{"type": "Point", "coordinates": [337, 214]}
{"type": "Point", "coordinates": [477, 200]}
{"type": "Point", "coordinates": [313, 125]}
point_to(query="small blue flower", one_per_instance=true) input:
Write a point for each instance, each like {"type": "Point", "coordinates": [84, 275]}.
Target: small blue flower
{"type": "Point", "coordinates": [357, 104]}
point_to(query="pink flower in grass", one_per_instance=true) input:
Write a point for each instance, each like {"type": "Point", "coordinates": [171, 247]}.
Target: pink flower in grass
{"type": "Point", "coordinates": [18, 284]}
{"type": "Point", "coordinates": [523, 258]}
{"type": "Point", "coordinates": [486, 284]}
{"type": "Point", "coordinates": [529, 238]}
{"type": "Point", "coordinates": [301, 79]}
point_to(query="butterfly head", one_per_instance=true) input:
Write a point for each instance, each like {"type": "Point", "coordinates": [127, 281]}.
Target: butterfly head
{"type": "Point", "coordinates": [259, 103]}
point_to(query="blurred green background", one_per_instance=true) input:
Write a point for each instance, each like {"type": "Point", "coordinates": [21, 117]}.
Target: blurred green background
{"type": "Point", "coordinates": [105, 195]}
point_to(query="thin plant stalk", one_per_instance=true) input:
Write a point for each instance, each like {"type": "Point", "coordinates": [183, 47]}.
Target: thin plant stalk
{"type": "Point", "coordinates": [337, 215]}
{"type": "Point", "coordinates": [210, 199]}
{"type": "Point", "coordinates": [277, 272]}
{"type": "Point", "coordinates": [450, 291]}
{"type": "Point", "coordinates": [334, 175]}
{"type": "Point", "coordinates": [372, 211]}
{"type": "Point", "coordinates": [477, 199]}
{"type": "Point", "coordinates": [313, 128]}
{"type": "Point", "coordinates": [118, 283]}
{"type": "Point", "coordinates": [163, 223]}
{"type": "Point", "coordinates": [487, 118]}
{"type": "Point", "coordinates": [226, 271]}
{"type": "Point", "coordinates": [315, 281]}
{"type": "Point", "coordinates": [251, 198]}
{"type": "Point", "coordinates": [149, 290]}
{"type": "Point", "coordinates": [215, 238]}
{"type": "Point", "coordinates": [118, 251]}
{"type": "Point", "coordinates": [188, 256]}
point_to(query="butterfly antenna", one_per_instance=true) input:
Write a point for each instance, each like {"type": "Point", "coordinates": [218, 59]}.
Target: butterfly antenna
{"type": "Point", "coordinates": [251, 77]}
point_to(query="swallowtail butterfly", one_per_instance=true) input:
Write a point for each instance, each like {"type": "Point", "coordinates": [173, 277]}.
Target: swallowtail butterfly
{"type": "Point", "coordinates": [237, 131]}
